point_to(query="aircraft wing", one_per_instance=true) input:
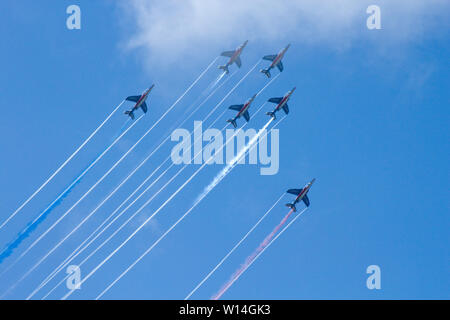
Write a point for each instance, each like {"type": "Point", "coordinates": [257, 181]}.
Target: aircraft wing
{"type": "Point", "coordinates": [286, 109]}
{"type": "Point", "coordinates": [275, 100]}
{"type": "Point", "coordinates": [238, 62]}
{"type": "Point", "coordinates": [144, 107]}
{"type": "Point", "coordinates": [294, 191]}
{"type": "Point", "coordinates": [270, 57]}
{"type": "Point", "coordinates": [306, 200]}
{"type": "Point", "coordinates": [133, 98]}
{"type": "Point", "coordinates": [280, 66]}
{"type": "Point", "coordinates": [236, 107]}
{"type": "Point", "coordinates": [246, 116]}
{"type": "Point", "coordinates": [228, 54]}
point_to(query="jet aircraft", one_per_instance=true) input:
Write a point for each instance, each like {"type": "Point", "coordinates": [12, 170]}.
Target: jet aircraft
{"type": "Point", "coordinates": [234, 56]}
{"type": "Point", "coordinates": [281, 103]}
{"type": "Point", "coordinates": [140, 102]}
{"type": "Point", "coordinates": [301, 195]}
{"type": "Point", "coordinates": [242, 111]}
{"type": "Point", "coordinates": [276, 61]}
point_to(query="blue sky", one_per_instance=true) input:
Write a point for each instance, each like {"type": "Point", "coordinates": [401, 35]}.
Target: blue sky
{"type": "Point", "coordinates": [369, 120]}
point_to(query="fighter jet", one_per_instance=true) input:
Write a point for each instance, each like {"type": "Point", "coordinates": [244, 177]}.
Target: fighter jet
{"type": "Point", "coordinates": [242, 111]}
{"type": "Point", "coordinates": [301, 195]}
{"type": "Point", "coordinates": [234, 57]}
{"type": "Point", "coordinates": [140, 102]}
{"type": "Point", "coordinates": [281, 103]}
{"type": "Point", "coordinates": [276, 61]}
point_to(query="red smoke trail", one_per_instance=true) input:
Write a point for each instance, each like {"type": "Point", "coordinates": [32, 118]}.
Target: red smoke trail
{"type": "Point", "coordinates": [252, 257]}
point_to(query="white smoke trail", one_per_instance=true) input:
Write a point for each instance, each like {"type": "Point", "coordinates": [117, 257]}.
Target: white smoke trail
{"type": "Point", "coordinates": [60, 167]}
{"type": "Point", "coordinates": [249, 263]}
{"type": "Point", "coordinates": [229, 166]}
{"type": "Point", "coordinates": [219, 77]}
{"type": "Point", "coordinates": [234, 248]}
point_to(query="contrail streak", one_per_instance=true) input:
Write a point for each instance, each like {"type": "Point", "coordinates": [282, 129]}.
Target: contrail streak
{"type": "Point", "coordinates": [261, 248]}
{"type": "Point", "coordinates": [117, 163]}
{"type": "Point", "coordinates": [171, 228]}
{"type": "Point", "coordinates": [41, 217]}
{"type": "Point", "coordinates": [234, 248]}
{"type": "Point", "coordinates": [167, 138]}
{"type": "Point", "coordinates": [60, 167]}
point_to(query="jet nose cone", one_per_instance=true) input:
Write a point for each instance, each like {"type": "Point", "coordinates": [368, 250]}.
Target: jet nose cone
{"type": "Point", "coordinates": [312, 181]}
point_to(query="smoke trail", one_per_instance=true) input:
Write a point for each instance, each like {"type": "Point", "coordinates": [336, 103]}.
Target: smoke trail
{"type": "Point", "coordinates": [234, 248]}
{"type": "Point", "coordinates": [31, 226]}
{"type": "Point", "coordinates": [162, 236]}
{"type": "Point", "coordinates": [262, 247]}
{"type": "Point", "coordinates": [60, 167]}
{"type": "Point", "coordinates": [233, 162]}
{"type": "Point", "coordinates": [44, 214]}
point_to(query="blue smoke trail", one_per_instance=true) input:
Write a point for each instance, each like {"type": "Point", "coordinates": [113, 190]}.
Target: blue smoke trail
{"type": "Point", "coordinates": [25, 233]}
{"type": "Point", "coordinates": [30, 227]}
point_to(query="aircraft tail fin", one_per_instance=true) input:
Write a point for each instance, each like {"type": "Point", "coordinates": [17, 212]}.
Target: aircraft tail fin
{"type": "Point", "coordinates": [292, 206]}
{"type": "Point", "coordinates": [224, 68]}
{"type": "Point", "coordinates": [233, 122]}
{"type": "Point", "coordinates": [272, 114]}
{"type": "Point", "coordinates": [130, 113]}
{"type": "Point", "coordinates": [266, 72]}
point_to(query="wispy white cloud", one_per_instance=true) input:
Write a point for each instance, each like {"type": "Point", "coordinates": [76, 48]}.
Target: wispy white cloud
{"type": "Point", "coordinates": [175, 28]}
